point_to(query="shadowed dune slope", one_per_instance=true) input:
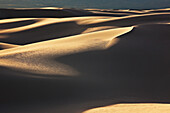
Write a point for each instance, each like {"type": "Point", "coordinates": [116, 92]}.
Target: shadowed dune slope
{"type": "Point", "coordinates": [56, 60]}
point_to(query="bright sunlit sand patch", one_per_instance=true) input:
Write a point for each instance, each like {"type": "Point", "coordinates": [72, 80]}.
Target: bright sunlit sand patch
{"type": "Point", "coordinates": [132, 108]}
{"type": "Point", "coordinates": [51, 8]}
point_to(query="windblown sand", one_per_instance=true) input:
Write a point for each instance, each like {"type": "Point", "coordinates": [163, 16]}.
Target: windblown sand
{"type": "Point", "coordinates": [56, 60]}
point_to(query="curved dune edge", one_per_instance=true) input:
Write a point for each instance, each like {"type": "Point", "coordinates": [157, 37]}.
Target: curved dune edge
{"type": "Point", "coordinates": [7, 46]}
{"type": "Point", "coordinates": [132, 108]}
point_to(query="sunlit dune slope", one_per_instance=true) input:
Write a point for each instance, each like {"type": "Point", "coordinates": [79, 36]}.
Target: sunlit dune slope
{"type": "Point", "coordinates": [56, 60]}
{"type": "Point", "coordinates": [132, 108]}
{"type": "Point", "coordinates": [27, 56]}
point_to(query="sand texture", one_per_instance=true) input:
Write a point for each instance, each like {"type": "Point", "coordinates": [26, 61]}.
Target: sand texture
{"type": "Point", "coordinates": [57, 60]}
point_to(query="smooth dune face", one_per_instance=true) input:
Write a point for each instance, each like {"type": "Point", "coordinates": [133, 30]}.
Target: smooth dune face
{"type": "Point", "coordinates": [56, 60]}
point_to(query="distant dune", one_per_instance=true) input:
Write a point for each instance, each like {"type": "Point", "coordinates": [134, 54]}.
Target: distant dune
{"type": "Point", "coordinates": [56, 60]}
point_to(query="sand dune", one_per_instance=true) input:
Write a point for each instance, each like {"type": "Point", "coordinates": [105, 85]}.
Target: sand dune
{"type": "Point", "coordinates": [133, 108]}
{"type": "Point", "coordinates": [56, 60]}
